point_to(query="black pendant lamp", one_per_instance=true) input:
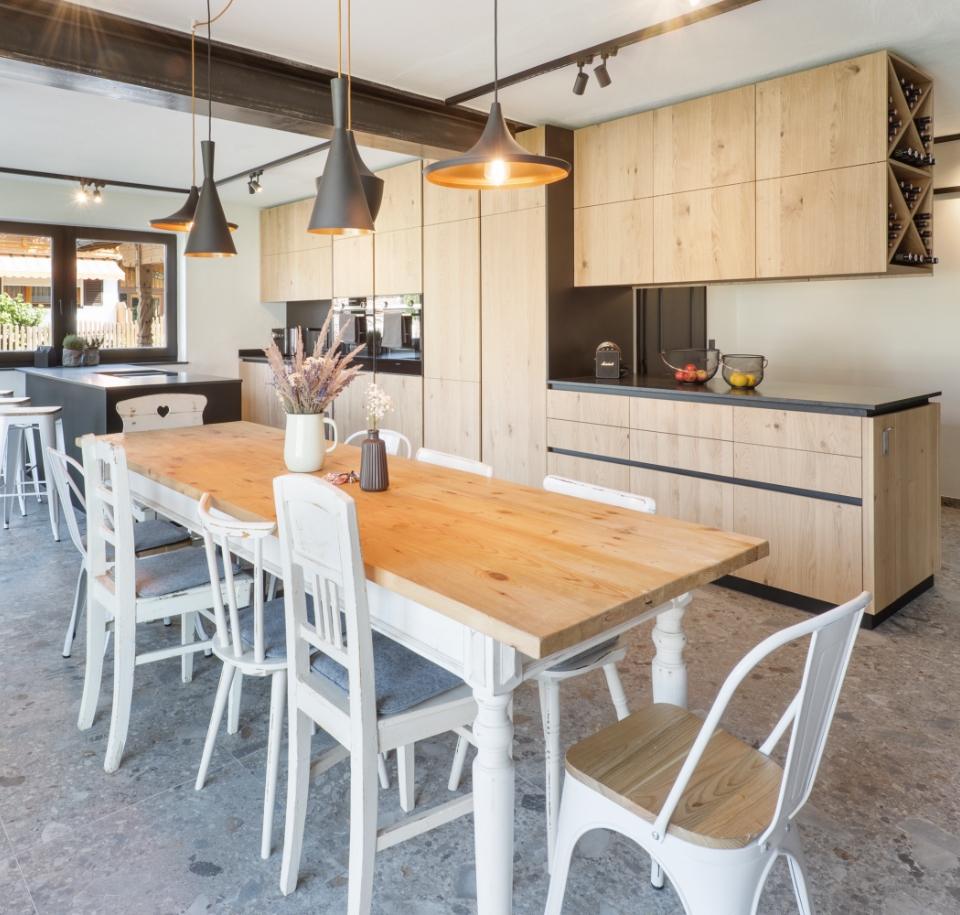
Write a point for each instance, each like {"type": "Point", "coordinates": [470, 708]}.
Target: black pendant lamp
{"type": "Point", "coordinates": [210, 233]}
{"type": "Point", "coordinates": [348, 194]}
{"type": "Point", "coordinates": [497, 160]}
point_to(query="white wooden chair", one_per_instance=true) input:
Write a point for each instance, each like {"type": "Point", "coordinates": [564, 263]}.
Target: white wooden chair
{"type": "Point", "coordinates": [711, 810]}
{"type": "Point", "coordinates": [395, 441]}
{"type": "Point", "coordinates": [368, 692]}
{"type": "Point", "coordinates": [161, 411]}
{"type": "Point", "coordinates": [250, 641]}
{"type": "Point", "coordinates": [148, 536]}
{"type": "Point", "coordinates": [133, 591]}
{"type": "Point", "coordinates": [454, 462]}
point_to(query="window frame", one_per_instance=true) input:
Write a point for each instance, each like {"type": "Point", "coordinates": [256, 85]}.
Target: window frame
{"type": "Point", "coordinates": [63, 289]}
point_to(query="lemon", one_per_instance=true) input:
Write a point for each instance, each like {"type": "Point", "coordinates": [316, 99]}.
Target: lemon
{"type": "Point", "coordinates": [738, 380]}
{"type": "Point", "coordinates": [751, 380]}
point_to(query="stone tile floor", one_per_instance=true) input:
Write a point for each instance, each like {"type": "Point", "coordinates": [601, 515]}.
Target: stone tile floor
{"type": "Point", "coordinates": [881, 830]}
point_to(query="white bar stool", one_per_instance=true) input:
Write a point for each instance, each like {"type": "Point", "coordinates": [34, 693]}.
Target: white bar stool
{"type": "Point", "coordinates": [13, 421]}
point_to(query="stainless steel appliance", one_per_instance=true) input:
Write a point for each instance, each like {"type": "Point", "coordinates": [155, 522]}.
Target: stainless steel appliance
{"type": "Point", "coordinates": [390, 329]}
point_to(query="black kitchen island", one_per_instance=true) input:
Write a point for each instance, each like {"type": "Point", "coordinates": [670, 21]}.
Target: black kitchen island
{"type": "Point", "coordinates": [89, 395]}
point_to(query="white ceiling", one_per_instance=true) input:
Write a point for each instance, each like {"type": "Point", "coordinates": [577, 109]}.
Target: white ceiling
{"type": "Point", "coordinates": [441, 47]}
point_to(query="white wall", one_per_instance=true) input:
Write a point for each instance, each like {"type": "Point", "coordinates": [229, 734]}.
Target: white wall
{"type": "Point", "coordinates": [219, 298]}
{"type": "Point", "coordinates": [894, 332]}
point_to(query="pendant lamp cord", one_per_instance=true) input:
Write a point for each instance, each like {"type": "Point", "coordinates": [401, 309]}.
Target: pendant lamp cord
{"type": "Point", "coordinates": [496, 93]}
{"type": "Point", "coordinates": [193, 107]}
{"type": "Point", "coordinates": [339, 38]}
{"type": "Point", "coordinates": [349, 71]}
{"type": "Point", "coordinates": [196, 25]}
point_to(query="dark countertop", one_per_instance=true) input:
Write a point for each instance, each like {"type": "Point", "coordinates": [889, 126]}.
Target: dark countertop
{"type": "Point", "coordinates": [811, 398]}
{"type": "Point", "coordinates": [96, 376]}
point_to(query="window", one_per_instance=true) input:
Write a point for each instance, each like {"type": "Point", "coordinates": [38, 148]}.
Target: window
{"type": "Point", "coordinates": [117, 286]}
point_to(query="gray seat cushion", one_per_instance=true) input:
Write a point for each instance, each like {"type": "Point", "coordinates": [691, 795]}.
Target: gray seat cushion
{"type": "Point", "coordinates": [147, 535]}
{"type": "Point", "coordinates": [167, 573]}
{"type": "Point", "coordinates": [404, 679]}
{"type": "Point", "coordinates": [585, 657]}
{"type": "Point", "coordinates": [274, 626]}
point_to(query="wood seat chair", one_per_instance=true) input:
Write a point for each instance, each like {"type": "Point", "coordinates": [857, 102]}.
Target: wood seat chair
{"type": "Point", "coordinates": [130, 591]}
{"type": "Point", "coordinates": [369, 693]}
{"type": "Point", "coordinates": [396, 442]}
{"type": "Point", "coordinates": [711, 810]}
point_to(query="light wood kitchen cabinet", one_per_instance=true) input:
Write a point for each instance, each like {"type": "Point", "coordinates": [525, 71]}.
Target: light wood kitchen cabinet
{"type": "Point", "coordinates": [297, 276]}
{"type": "Point", "coordinates": [451, 417]}
{"type": "Point", "coordinates": [493, 202]}
{"type": "Point", "coordinates": [599, 473]}
{"type": "Point", "coordinates": [451, 289]}
{"type": "Point", "coordinates": [398, 262]}
{"type": "Point", "coordinates": [580, 407]}
{"type": "Point", "coordinates": [406, 391]}
{"type": "Point", "coordinates": [446, 204]}
{"type": "Point", "coordinates": [705, 143]}
{"type": "Point", "coordinates": [679, 417]}
{"type": "Point", "coordinates": [589, 438]}
{"type": "Point", "coordinates": [827, 118]}
{"type": "Point", "coordinates": [258, 397]}
{"type": "Point", "coordinates": [692, 499]}
{"type": "Point", "coordinates": [614, 244]}
{"type": "Point", "coordinates": [705, 235]}
{"type": "Point", "coordinates": [613, 161]}
{"type": "Point", "coordinates": [826, 223]}
{"type": "Point", "coordinates": [402, 205]}
{"type": "Point", "coordinates": [821, 432]}
{"type": "Point", "coordinates": [353, 266]}
{"type": "Point", "coordinates": [514, 343]}
{"type": "Point", "coordinates": [348, 412]}
{"type": "Point", "coordinates": [683, 452]}
{"type": "Point", "coordinates": [834, 473]}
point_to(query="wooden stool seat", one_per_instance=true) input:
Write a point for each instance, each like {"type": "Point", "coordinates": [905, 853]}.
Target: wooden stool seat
{"type": "Point", "coordinates": [730, 800]}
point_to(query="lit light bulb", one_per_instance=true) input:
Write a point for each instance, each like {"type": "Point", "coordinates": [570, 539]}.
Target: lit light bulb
{"type": "Point", "coordinates": [82, 195]}
{"type": "Point", "coordinates": [496, 172]}
{"type": "Point", "coordinates": [96, 196]}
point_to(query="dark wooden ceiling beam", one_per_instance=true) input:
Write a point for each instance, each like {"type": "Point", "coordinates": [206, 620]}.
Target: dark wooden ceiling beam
{"type": "Point", "coordinates": [75, 47]}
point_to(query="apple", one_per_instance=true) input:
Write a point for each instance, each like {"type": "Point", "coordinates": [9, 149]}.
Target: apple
{"type": "Point", "coordinates": [679, 376]}
{"type": "Point", "coordinates": [690, 377]}
{"type": "Point", "coordinates": [701, 374]}
{"type": "Point", "coordinates": [689, 367]}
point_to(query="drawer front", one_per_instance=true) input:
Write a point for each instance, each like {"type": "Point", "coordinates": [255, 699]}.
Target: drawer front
{"type": "Point", "coordinates": [599, 473]}
{"type": "Point", "coordinates": [677, 417]}
{"type": "Point", "coordinates": [818, 432]}
{"type": "Point", "coordinates": [690, 499]}
{"type": "Point", "coordinates": [603, 409]}
{"type": "Point", "coordinates": [589, 438]}
{"type": "Point", "coordinates": [815, 545]}
{"type": "Point", "coordinates": [706, 455]}
{"type": "Point", "coordinates": [836, 474]}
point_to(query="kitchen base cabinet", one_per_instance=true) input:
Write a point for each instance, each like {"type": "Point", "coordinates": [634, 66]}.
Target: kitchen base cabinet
{"type": "Point", "coordinates": [686, 498]}
{"type": "Point", "coordinates": [258, 397]}
{"type": "Point", "coordinates": [584, 470]}
{"type": "Point", "coordinates": [451, 417]}
{"type": "Point", "coordinates": [406, 416]}
{"type": "Point", "coordinates": [348, 412]}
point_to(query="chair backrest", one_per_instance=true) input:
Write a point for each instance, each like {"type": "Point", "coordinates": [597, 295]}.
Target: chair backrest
{"type": "Point", "coordinates": [218, 531]}
{"type": "Point", "coordinates": [454, 462]}
{"type": "Point", "coordinates": [161, 411]}
{"type": "Point", "coordinates": [602, 494]}
{"type": "Point", "coordinates": [109, 521]}
{"type": "Point", "coordinates": [811, 712]}
{"type": "Point", "coordinates": [393, 441]}
{"type": "Point", "coordinates": [60, 464]}
{"type": "Point", "coordinates": [320, 552]}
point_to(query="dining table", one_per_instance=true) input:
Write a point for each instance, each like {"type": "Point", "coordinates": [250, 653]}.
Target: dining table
{"type": "Point", "coordinates": [492, 580]}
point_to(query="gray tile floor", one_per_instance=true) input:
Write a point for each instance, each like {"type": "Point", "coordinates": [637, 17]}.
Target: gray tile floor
{"type": "Point", "coordinates": [881, 830]}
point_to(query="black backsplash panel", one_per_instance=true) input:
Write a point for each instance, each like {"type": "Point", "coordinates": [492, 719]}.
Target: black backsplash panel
{"type": "Point", "coordinates": [672, 317]}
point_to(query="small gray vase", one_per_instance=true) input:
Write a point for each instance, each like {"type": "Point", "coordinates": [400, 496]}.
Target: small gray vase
{"type": "Point", "coordinates": [373, 463]}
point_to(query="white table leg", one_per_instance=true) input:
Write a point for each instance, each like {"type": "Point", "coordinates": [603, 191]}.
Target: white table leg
{"type": "Point", "coordinates": [493, 792]}
{"type": "Point", "coordinates": [669, 672]}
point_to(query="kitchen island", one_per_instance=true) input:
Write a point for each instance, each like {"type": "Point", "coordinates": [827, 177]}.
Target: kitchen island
{"type": "Point", "coordinates": [843, 481]}
{"type": "Point", "coordinates": [89, 395]}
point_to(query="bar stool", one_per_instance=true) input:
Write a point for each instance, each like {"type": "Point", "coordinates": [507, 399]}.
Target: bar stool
{"type": "Point", "coordinates": [14, 422]}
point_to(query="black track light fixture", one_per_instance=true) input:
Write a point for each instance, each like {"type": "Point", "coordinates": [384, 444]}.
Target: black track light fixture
{"type": "Point", "coordinates": [253, 182]}
{"type": "Point", "coordinates": [603, 77]}
{"type": "Point", "coordinates": [97, 186]}
{"type": "Point", "coordinates": [580, 83]}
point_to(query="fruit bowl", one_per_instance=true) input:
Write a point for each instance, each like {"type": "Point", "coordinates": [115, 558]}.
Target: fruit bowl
{"type": "Point", "coordinates": [742, 371]}
{"type": "Point", "coordinates": [692, 366]}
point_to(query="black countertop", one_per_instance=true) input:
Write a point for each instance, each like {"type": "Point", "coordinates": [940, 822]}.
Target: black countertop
{"type": "Point", "coordinates": [811, 398]}
{"type": "Point", "coordinates": [105, 376]}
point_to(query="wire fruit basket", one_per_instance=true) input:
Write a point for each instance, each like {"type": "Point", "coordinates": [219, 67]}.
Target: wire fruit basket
{"type": "Point", "coordinates": [743, 371]}
{"type": "Point", "coordinates": [692, 366]}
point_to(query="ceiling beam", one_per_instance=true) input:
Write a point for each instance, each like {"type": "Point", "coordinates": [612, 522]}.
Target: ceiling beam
{"type": "Point", "coordinates": [75, 47]}
{"type": "Point", "coordinates": [609, 48]}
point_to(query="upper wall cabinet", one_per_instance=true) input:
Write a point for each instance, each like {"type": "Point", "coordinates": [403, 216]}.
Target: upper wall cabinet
{"type": "Point", "coordinates": [493, 202]}
{"type": "Point", "coordinates": [614, 161]}
{"type": "Point", "coordinates": [402, 206]}
{"type": "Point", "coordinates": [830, 117]}
{"type": "Point", "coordinates": [707, 142]}
{"type": "Point", "coordinates": [294, 265]}
{"type": "Point", "coordinates": [445, 204]}
{"type": "Point", "coordinates": [353, 266]}
{"type": "Point", "coordinates": [398, 242]}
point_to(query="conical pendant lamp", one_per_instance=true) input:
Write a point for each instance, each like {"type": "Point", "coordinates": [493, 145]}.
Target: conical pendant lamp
{"type": "Point", "coordinates": [343, 204]}
{"type": "Point", "coordinates": [210, 233]}
{"type": "Point", "coordinates": [497, 160]}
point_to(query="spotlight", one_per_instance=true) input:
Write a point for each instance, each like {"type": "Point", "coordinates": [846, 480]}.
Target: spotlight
{"type": "Point", "coordinates": [253, 184]}
{"type": "Point", "coordinates": [580, 83]}
{"type": "Point", "coordinates": [83, 194]}
{"type": "Point", "coordinates": [96, 192]}
{"type": "Point", "coordinates": [603, 77]}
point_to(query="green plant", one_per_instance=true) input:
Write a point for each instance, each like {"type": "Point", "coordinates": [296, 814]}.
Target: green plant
{"type": "Point", "coordinates": [16, 311]}
{"type": "Point", "coordinates": [93, 342]}
{"type": "Point", "coordinates": [74, 342]}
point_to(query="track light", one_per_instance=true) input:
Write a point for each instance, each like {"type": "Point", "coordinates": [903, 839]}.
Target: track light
{"type": "Point", "coordinates": [96, 191]}
{"type": "Point", "coordinates": [253, 184]}
{"type": "Point", "coordinates": [580, 83]}
{"type": "Point", "coordinates": [83, 195]}
{"type": "Point", "coordinates": [603, 77]}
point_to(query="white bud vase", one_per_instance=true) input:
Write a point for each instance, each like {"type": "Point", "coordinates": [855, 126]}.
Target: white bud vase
{"type": "Point", "coordinates": [304, 447]}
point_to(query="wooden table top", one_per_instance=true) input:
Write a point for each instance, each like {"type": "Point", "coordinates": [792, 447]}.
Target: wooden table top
{"type": "Point", "coordinates": [535, 570]}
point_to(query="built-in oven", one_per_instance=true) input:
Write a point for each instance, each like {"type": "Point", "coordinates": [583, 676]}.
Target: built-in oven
{"type": "Point", "coordinates": [354, 317]}
{"type": "Point", "coordinates": [389, 328]}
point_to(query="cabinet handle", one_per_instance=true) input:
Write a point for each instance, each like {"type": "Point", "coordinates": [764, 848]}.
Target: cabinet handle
{"type": "Point", "coordinates": [886, 440]}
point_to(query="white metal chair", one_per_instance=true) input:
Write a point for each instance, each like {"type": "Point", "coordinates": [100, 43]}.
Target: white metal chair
{"type": "Point", "coordinates": [392, 440]}
{"type": "Point", "coordinates": [133, 591]}
{"type": "Point", "coordinates": [250, 641]}
{"type": "Point", "coordinates": [454, 462]}
{"type": "Point", "coordinates": [17, 425]}
{"type": "Point", "coordinates": [711, 810]}
{"type": "Point", "coordinates": [148, 536]}
{"type": "Point", "coordinates": [368, 692]}
{"type": "Point", "coordinates": [161, 411]}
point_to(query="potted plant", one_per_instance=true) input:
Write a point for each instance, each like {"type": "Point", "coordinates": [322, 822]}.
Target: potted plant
{"type": "Point", "coordinates": [73, 347]}
{"type": "Point", "coordinates": [91, 351]}
{"type": "Point", "coordinates": [306, 387]}
{"type": "Point", "coordinates": [373, 451]}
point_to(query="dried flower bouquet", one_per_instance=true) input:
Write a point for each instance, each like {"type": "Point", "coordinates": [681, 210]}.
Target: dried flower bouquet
{"type": "Point", "coordinates": [377, 403]}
